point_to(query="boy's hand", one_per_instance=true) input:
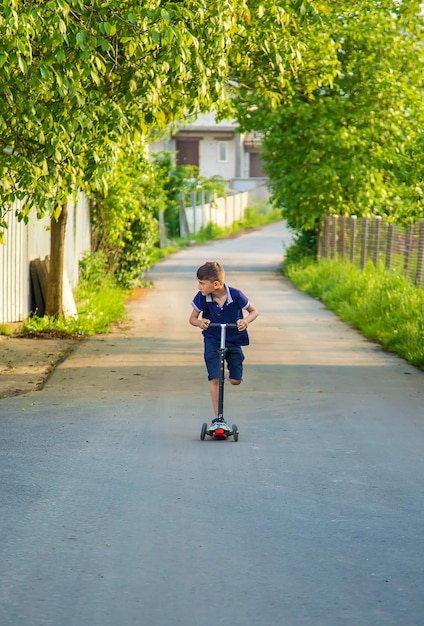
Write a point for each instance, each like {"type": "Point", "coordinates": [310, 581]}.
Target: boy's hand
{"type": "Point", "coordinates": [204, 324]}
{"type": "Point", "coordinates": [242, 324]}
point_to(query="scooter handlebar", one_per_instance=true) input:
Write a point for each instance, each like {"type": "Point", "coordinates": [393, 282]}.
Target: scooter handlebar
{"type": "Point", "coordinates": [216, 325]}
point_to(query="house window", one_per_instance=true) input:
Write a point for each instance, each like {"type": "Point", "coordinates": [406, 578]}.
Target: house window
{"type": "Point", "coordinates": [222, 152]}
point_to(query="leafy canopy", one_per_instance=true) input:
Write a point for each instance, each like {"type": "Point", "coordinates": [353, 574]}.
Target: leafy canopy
{"type": "Point", "coordinates": [352, 145]}
{"type": "Point", "coordinates": [282, 47]}
{"type": "Point", "coordinates": [77, 77]}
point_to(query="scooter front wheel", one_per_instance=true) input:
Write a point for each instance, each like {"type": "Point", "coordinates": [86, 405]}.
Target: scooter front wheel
{"type": "Point", "coordinates": [235, 432]}
{"type": "Point", "coordinates": [203, 431]}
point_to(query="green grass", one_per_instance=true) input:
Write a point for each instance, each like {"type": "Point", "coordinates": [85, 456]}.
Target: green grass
{"type": "Point", "coordinates": [97, 311]}
{"type": "Point", "coordinates": [260, 214]}
{"type": "Point", "coordinates": [380, 303]}
{"type": "Point", "coordinates": [6, 329]}
{"type": "Point", "coordinates": [99, 302]}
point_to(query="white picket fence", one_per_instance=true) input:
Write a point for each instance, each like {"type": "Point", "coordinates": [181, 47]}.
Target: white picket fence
{"type": "Point", "coordinates": [223, 212]}
{"type": "Point", "coordinates": [25, 242]}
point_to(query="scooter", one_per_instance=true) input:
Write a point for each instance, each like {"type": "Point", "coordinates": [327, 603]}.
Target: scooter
{"type": "Point", "coordinates": [219, 429]}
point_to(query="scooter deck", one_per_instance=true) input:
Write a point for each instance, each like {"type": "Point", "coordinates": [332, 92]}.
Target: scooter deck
{"type": "Point", "coordinates": [219, 430]}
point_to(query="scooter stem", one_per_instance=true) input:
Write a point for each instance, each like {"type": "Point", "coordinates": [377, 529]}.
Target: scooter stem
{"type": "Point", "coordinates": [223, 336]}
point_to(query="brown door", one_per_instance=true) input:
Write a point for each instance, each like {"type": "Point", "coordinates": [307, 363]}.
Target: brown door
{"type": "Point", "coordinates": [255, 165]}
{"type": "Point", "coordinates": [188, 152]}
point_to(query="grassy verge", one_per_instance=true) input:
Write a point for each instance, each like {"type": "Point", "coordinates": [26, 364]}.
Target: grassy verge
{"type": "Point", "coordinates": [97, 311]}
{"type": "Point", "coordinates": [382, 304]}
{"type": "Point", "coordinates": [100, 303]}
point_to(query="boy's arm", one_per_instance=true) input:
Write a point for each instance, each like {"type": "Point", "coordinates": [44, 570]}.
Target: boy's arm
{"type": "Point", "coordinates": [252, 314]}
{"type": "Point", "coordinates": [196, 321]}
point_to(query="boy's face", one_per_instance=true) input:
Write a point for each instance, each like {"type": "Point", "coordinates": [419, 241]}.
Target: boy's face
{"type": "Point", "coordinates": [208, 286]}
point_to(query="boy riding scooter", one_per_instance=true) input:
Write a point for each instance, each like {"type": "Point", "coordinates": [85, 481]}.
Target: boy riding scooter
{"type": "Point", "coordinates": [221, 304]}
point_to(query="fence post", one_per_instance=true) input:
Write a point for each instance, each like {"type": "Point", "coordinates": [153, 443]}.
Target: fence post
{"type": "Point", "coordinates": [193, 197]}
{"type": "Point", "coordinates": [202, 209]}
{"type": "Point", "coordinates": [389, 245]}
{"type": "Point", "coordinates": [353, 225]}
{"type": "Point", "coordinates": [408, 248]}
{"type": "Point", "coordinates": [364, 242]}
{"type": "Point", "coordinates": [334, 237]}
{"type": "Point", "coordinates": [420, 260]}
{"type": "Point", "coordinates": [326, 235]}
{"type": "Point", "coordinates": [342, 237]}
{"type": "Point", "coordinates": [162, 237]}
{"type": "Point", "coordinates": [209, 203]}
{"type": "Point", "coordinates": [184, 227]}
{"type": "Point", "coordinates": [377, 225]}
{"type": "Point", "coordinates": [319, 239]}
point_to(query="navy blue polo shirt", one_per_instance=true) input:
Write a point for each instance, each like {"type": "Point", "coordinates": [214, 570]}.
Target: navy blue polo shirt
{"type": "Point", "coordinates": [228, 314]}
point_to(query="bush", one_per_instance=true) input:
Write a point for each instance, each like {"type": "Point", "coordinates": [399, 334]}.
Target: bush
{"type": "Point", "coordinates": [92, 269]}
{"type": "Point", "coordinates": [302, 250]}
{"type": "Point", "coordinates": [259, 214]}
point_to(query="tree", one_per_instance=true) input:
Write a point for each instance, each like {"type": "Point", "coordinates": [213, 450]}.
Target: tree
{"type": "Point", "coordinates": [176, 180]}
{"type": "Point", "coordinates": [125, 218]}
{"type": "Point", "coordinates": [280, 48]}
{"type": "Point", "coordinates": [76, 78]}
{"type": "Point", "coordinates": [352, 146]}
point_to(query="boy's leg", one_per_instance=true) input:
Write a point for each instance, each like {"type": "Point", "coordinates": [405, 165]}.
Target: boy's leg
{"type": "Point", "coordinates": [212, 358]}
{"type": "Point", "coordinates": [214, 389]}
{"type": "Point", "coordinates": [235, 358]}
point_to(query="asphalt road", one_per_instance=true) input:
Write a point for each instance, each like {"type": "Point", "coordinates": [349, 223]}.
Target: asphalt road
{"type": "Point", "coordinates": [114, 513]}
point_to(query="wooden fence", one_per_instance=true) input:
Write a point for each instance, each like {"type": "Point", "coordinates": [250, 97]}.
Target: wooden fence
{"type": "Point", "coordinates": [360, 240]}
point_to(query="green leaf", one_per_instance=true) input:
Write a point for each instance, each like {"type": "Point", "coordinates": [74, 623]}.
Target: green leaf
{"type": "Point", "coordinates": [22, 64]}
{"type": "Point", "coordinates": [81, 38]}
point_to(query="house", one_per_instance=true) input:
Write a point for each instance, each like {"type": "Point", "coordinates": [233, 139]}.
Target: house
{"type": "Point", "coordinates": [218, 149]}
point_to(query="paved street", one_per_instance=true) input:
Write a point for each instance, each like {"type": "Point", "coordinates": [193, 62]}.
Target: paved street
{"type": "Point", "coordinates": [114, 513]}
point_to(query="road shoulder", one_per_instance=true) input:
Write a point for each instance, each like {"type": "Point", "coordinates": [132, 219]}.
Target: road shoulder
{"type": "Point", "coordinates": [26, 363]}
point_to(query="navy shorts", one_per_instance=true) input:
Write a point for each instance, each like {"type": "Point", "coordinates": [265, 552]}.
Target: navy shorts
{"type": "Point", "coordinates": [233, 355]}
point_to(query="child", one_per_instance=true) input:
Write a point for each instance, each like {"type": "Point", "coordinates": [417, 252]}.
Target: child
{"type": "Point", "coordinates": [221, 304]}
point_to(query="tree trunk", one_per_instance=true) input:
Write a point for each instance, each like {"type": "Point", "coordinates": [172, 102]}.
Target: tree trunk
{"type": "Point", "coordinates": [54, 300]}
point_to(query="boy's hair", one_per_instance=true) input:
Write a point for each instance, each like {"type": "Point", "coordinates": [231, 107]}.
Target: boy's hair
{"type": "Point", "coordinates": [212, 271]}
